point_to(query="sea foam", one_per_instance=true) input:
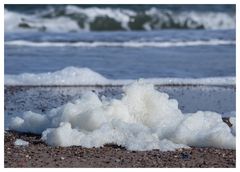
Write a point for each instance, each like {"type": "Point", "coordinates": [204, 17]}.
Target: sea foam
{"type": "Point", "coordinates": [20, 142]}
{"type": "Point", "coordinates": [129, 44]}
{"type": "Point", "coordinates": [142, 119]}
{"type": "Point", "coordinates": [19, 22]}
{"type": "Point", "coordinates": [85, 76]}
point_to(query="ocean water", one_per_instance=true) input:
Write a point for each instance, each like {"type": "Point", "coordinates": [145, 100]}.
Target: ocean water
{"type": "Point", "coordinates": [136, 46]}
{"type": "Point", "coordinates": [181, 50]}
{"type": "Point", "coordinates": [125, 55]}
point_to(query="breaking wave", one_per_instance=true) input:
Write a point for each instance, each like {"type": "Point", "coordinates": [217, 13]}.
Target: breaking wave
{"type": "Point", "coordinates": [74, 19]}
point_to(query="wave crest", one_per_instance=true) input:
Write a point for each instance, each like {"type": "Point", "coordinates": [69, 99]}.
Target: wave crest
{"type": "Point", "coordinates": [73, 18]}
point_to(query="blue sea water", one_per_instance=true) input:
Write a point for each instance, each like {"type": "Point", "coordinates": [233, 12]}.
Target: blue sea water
{"type": "Point", "coordinates": [122, 42]}
{"type": "Point", "coordinates": [118, 62]}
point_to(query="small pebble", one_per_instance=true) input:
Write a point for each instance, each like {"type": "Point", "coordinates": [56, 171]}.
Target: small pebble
{"type": "Point", "coordinates": [185, 156]}
{"type": "Point", "coordinates": [117, 160]}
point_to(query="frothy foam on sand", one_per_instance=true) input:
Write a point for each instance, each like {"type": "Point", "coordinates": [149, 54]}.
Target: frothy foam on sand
{"type": "Point", "coordinates": [20, 142]}
{"type": "Point", "coordinates": [143, 119]}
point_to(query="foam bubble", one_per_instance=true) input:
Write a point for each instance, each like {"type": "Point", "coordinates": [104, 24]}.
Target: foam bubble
{"type": "Point", "coordinates": [20, 142]}
{"type": "Point", "coordinates": [143, 119]}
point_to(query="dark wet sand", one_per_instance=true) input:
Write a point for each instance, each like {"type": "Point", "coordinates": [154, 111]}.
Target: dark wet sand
{"type": "Point", "coordinates": [18, 99]}
{"type": "Point", "coordinates": [38, 154]}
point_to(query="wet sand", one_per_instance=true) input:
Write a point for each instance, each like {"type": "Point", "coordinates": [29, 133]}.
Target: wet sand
{"type": "Point", "coordinates": [38, 154]}
{"type": "Point", "coordinates": [19, 99]}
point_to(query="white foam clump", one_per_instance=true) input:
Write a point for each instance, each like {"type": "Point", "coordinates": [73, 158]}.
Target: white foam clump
{"type": "Point", "coordinates": [143, 119]}
{"type": "Point", "coordinates": [20, 142]}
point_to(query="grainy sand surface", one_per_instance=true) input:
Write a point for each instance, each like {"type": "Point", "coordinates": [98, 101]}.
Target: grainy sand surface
{"type": "Point", "coordinates": [38, 154]}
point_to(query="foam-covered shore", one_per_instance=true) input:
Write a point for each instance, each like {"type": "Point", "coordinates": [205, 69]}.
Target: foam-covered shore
{"type": "Point", "coordinates": [86, 76]}
{"type": "Point", "coordinates": [143, 119]}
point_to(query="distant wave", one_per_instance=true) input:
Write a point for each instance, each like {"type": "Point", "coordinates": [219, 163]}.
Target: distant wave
{"type": "Point", "coordinates": [132, 44]}
{"type": "Point", "coordinates": [73, 19]}
{"type": "Point", "coordinates": [85, 76]}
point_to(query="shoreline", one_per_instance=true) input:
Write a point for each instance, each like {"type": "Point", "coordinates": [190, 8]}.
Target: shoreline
{"type": "Point", "coordinates": [38, 154]}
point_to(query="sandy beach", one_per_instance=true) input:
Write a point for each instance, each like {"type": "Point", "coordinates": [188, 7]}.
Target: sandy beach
{"type": "Point", "coordinates": [38, 154]}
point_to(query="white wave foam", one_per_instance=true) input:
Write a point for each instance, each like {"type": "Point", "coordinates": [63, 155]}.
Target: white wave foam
{"type": "Point", "coordinates": [156, 19]}
{"type": "Point", "coordinates": [213, 20]}
{"type": "Point", "coordinates": [130, 44]}
{"type": "Point", "coordinates": [210, 20]}
{"type": "Point", "coordinates": [69, 75]}
{"type": "Point", "coordinates": [122, 16]}
{"type": "Point", "coordinates": [143, 119]}
{"type": "Point", "coordinates": [85, 76]}
{"type": "Point", "coordinates": [12, 20]}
